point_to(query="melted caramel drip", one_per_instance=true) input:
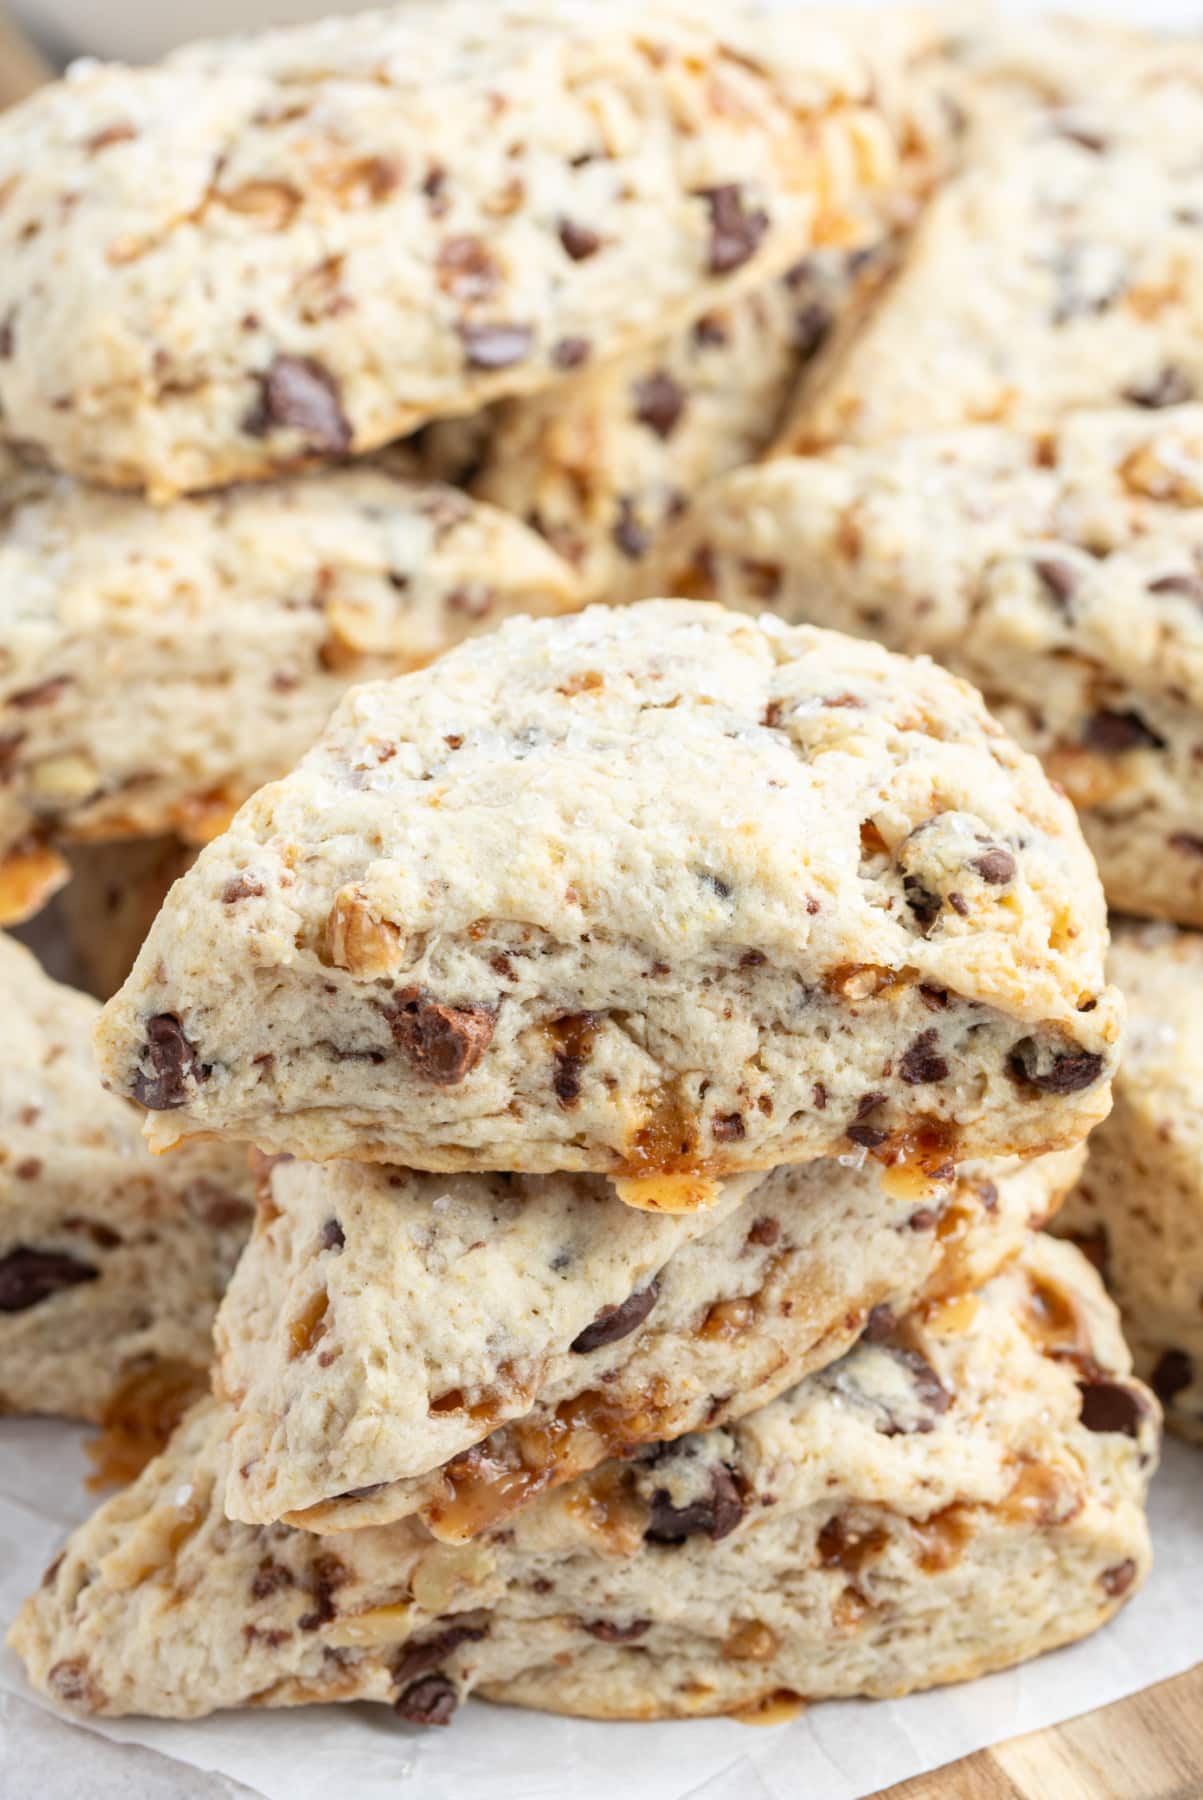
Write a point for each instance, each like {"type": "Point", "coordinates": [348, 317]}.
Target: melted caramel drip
{"type": "Point", "coordinates": [926, 1145]}
{"type": "Point", "coordinates": [608, 1509]}
{"type": "Point", "coordinates": [942, 1538]}
{"type": "Point", "coordinates": [844, 1546]}
{"type": "Point", "coordinates": [777, 1708]}
{"type": "Point", "coordinates": [140, 1417]}
{"type": "Point", "coordinates": [1054, 1319]}
{"type": "Point", "coordinates": [1040, 1495]}
{"type": "Point", "coordinates": [667, 1141]}
{"type": "Point", "coordinates": [728, 1318]}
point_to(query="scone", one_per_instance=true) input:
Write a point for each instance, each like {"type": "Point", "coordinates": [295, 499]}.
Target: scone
{"type": "Point", "coordinates": [952, 1499]}
{"type": "Point", "coordinates": [1138, 1210]}
{"type": "Point", "coordinates": [658, 892]}
{"type": "Point", "coordinates": [157, 665]}
{"type": "Point", "coordinates": [110, 902]}
{"type": "Point", "coordinates": [1062, 268]}
{"type": "Point", "coordinates": [301, 244]}
{"type": "Point", "coordinates": [397, 1343]}
{"type": "Point", "coordinates": [111, 1262]}
{"type": "Point", "coordinates": [1059, 570]}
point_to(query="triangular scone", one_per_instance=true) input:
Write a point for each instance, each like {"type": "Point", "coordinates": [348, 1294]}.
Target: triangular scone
{"type": "Point", "coordinates": [1063, 268]}
{"type": "Point", "coordinates": [161, 663]}
{"type": "Point", "coordinates": [1138, 1210]}
{"type": "Point", "coordinates": [298, 244]}
{"type": "Point", "coordinates": [399, 1343]}
{"type": "Point", "coordinates": [111, 1261]}
{"type": "Point", "coordinates": [1060, 570]}
{"type": "Point", "coordinates": [659, 892]}
{"type": "Point", "coordinates": [948, 1501]}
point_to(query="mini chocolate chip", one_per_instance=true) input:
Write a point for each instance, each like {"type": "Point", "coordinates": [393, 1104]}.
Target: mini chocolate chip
{"type": "Point", "coordinates": [959, 904]}
{"type": "Point", "coordinates": [27, 1277]}
{"type": "Point", "coordinates": [713, 1516]}
{"type": "Point", "coordinates": [935, 999]}
{"type": "Point", "coordinates": [728, 1128]}
{"type": "Point", "coordinates": [869, 1137]}
{"type": "Point", "coordinates": [328, 1575]}
{"type": "Point", "coordinates": [269, 1578]}
{"type": "Point", "coordinates": [616, 1634]}
{"type": "Point", "coordinates": [923, 903]}
{"type": "Point", "coordinates": [1115, 732]}
{"type": "Point", "coordinates": [710, 331]}
{"type": "Point", "coordinates": [922, 1062]}
{"type": "Point", "coordinates": [879, 1324]}
{"type": "Point", "coordinates": [765, 1232]}
{"type": "Point", "coordinates": [333, 1236]}
{"type": "Point", "coordinates": [570, 352]}
{"type": "Point", "coordinates": [1173, 1373]}
{"type": "Point", "coordinates": [734, 230]}
{"type": "Point", "coordinates": [631, 537]}
{"type": "Point", "coordinates": [1068, 1073]}
{"type": "Point", "coordinates": [995, 865]}
{"type": "Point", "coordinates": [659, 402]}
{"type": "Point", "coordinates": [1169, 386]}
{"type": "Point", "coordinates": [928, 1386]}
{"type": "Point", "coordinates": [172, 1060]}
{"type": "Point", "coordinates": [241, 887]}
{"type": "Point", "coordinates": [419, 1659]}
{"type": "Point", "coordinates": [922, 1219]}
{"type": "Point", "coordinates": [298, 392]}
{"type": "Point", "coordinates": [496, 346]}
{"type": "Point", "coordinates": [614, 1322]}
{"type": "Point", "coordinates": [1112, 1406]}
{"type": "Point", "coordinates": [465, 269]}
{"type": "Point", "coordinates": [444, 1043]}
{"type": "Point", "coordinates": [1189, 585]}
{"type": "Point", "coordinates": [1119, 1578]}
{"type": "Point", "coordinates": [1059, 577]}
{"type": "Point", "coordinates": [431, 1700]}
{"type": "Point", "coordinates": [578, 240]}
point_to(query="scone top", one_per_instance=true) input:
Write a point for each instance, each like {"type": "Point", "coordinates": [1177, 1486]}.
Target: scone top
{"type": "Point", "coordinates": [659, 892]}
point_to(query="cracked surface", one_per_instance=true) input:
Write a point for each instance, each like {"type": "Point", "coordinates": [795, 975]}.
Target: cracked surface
{"type": "Point", "coordinates": [158, 664]}
{"type": "Point", "coordinates": [940, 1503]}
{"type": "Point", "coordinates": [1060, 570]}
{"type": "Point", "coordinates": [659, 892]}
{"type": "Point", "coordinates": [453, 1375]}
{"type": "Point", "coordinates": [111, 1263]}
{"type": "Point", "coordinates": [1138, 1210]}
{"type": "Point", "coordinates": [303, 243]}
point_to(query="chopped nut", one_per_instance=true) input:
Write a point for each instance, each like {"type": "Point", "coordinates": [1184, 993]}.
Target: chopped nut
{"type": "Point", "coordinates": [359, 941]}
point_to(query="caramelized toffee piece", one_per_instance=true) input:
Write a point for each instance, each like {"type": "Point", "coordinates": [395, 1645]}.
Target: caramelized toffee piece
{"type": "Point", "coordinates": [1061, 269]}
{"type": "Point", "coordinates": [1061, 571]}
{"type": "Point", "coordinates": [111, 1262]}
{"type": "Point", "coordinates": [453, 1345]}
{"type": "Point", "coordinates": [1138, 1210]}
{"type": "Point", "coordinates": [402, 215]}
{"type": "Point", "coordinates": [656, 892]}
{"type": "Point", "coordinates": [867, 1533]}
{"type": "Point", "coordinates": [161, 663]}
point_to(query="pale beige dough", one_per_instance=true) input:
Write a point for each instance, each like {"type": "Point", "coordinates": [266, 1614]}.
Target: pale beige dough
{"type": "Point", "coordinates": [952, 1500]}
{"type": "Point", "coordinates": [660, 892]}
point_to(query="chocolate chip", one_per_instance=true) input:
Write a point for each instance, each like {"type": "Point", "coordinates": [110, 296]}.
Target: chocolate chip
{"type": "Point", "coordinates": [444, 1043]}
{"type": "Point", "coordinates": [923, 903]}
{"type": "Point", "coordinates": [959, 904]}
{"type": "Point", "coordinates": [614, 1322]}
{"type": "Point", "coordinates": [869, 1137]}
{"type": "Point", "coordinates": [713, 1516]}
{"type": "Point", "coordinates": [1189, 585]}
{"type": "Point", "coordinates": [728, 1128]}
{"type": "Point", "coordinates": [1118, 1578]}
{"type": "Point", "coordinates": [301, 393]}
{"type": "Point", "coordinates": [431, 1700]}
{"type": "Point", "coordinates": [734, 230]}
{"type": "Point", "coordinates": [1112, 1406]}
{"type": "Point", "coordinates": [333, 1236]}
{"type": "Point", "coordinates": [1115, 732]}
{"type": "Point", "coordinates": [935, 999]}
{"type": "Point", "coordinates": [995, 865]}
{"type": "Point", "coordinates": [812, 323]}
{"type": "Point", "coordinates": [765, 1232]}
{"type": "Point", "coordinates": [270, 1577]}
{"type": "Point", "coordinates": [1169, 386]}
{"type": "Point", "coordinates": [496, 346]}
{"type": "Point", "coordinates": [867, 1102]}
{"type": "Point", "coordinates": [465, 269]}
{"type": "Point", "coordinates": [1085, 136]}
{"type": "Point", "coordinates": [173, 1063]}
{"type": "Point", "coordinates": [1059, 577]}
{"type": "Point", "coordinates": [631, 537]}
{"type": "Point", "coordinates": [27, 1277]}
{"type": "Point", "coordinates": [570, 352]}
{"type": "Point", "coordinates": [328, 1574]}
{"type": "Point", "coordinates": [241, 887]}
{"type": "Point", "coordinates": [879, 1324]}
{"type": "Point", "coordinates": [1173, 1373]}
{"type": "Point", "coordinates": [8, 335]}
{"type": "Point", "coordinates": [419, 1659]}
{"type": "Point", "coordinates": [578, 240]}
{"type": "Point", "coordinates": [1068, 1072]}
{"type": "Point", "coordinates": [928, 1386]}
{"type": "Point", "coordinates": [922, 1062]}
{"type": "Point", "coordinates": [42, 695]}
{"type": "Point", "coordinates": [616, 1634]}
{"type": "Point", "coordinates": [1187, 842]}
{"type": "Point", "coordinates": [659, 402]}
{"type": "Point", "coordinates": [710, 331]}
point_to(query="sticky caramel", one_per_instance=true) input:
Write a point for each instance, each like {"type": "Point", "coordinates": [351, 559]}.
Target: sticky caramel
{"type": "Point", "coordinates": [140, 1417]}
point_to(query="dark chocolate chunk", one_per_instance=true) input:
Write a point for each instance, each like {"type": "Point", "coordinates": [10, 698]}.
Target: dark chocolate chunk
{"type": "Point", "coordinates": [27, 1277]}
{"type": "Point", "coordinates": [879, 1324]}
{"type": "Point", "coordinates": [1118, 1578]}
{"type": "Point", "coordinates": [431, 1700]}
{"type": "Point", "coordinates": [1115, 732]}
{"type": "Point", "coordinates": [173, 1062]}
{"type": "Point", "coordinates": [922, 1062]}
{"type": "Point", "coordinates": [869, 1137]}
{"type": "Point", "coordinates": [578, 240]}
{"type": "Point", "coordinates": [1188, 584]}
{"type": "Point", "coordinates": [1187, 842]}
{"type": "Point", "coordinates": [496, 346]}
{"type": "Point", "coordinates": [1112, 1406]}
{"type": "Point", "coordinates": [929, 1389]}
{"type": "Point", "coordinates": [659, 402]}
{"type": "Point", "coordinates": [298, 392]}
{"type": "Point", "coordinates": [333, 1236]}
{"type": "Point", "coordinates": [923, 903]}
{"type": "Point", "coordinates": [631, 537]}
{"type": "Point", "coordinates": [1168, 386]}
{"type": "Point", "coordinates": [614, 1322]}
{"type": "Point", "coordinates": [444, 1043]}
{"type": "Point", "coordinates": [812, 323]}
{"type": "Point", "coordinates": [713, 1516]}
{"type": "Point", "coordinates": [1173, 1373]}
{"type": "Point", "coordinates": [616, 1634]}
{"type": "Point", "coordinates": [570, 352]}
{"type": "Point", "coordinates": [728, 1128]}
{"type": "Point", "coordinates": [735, 230]}
{"type": "Point", "coordinates": [419, 1659]}
{"type": "Point", "coordinates": [1068, 1071]}
{"type": "Point", "coordinates": [1059, 578]}
{"type": "Point", "coordinates": [995, 865]}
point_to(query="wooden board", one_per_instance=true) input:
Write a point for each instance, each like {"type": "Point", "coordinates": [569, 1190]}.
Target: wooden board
{"type": "Point", "coordinates": [1148, 1747]}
